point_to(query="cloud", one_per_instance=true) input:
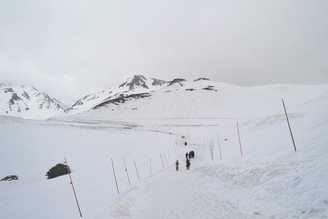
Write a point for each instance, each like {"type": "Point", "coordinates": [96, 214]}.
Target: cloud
{"type": "Point", "coordinates": [81, 46]}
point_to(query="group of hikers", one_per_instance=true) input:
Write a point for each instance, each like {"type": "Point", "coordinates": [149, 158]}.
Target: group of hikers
{"type": "Point", "coordinates": [189, 155]}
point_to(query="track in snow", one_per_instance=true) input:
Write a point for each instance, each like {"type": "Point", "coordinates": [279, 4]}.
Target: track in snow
{"type": "Point", "coordinates": [174, 194]}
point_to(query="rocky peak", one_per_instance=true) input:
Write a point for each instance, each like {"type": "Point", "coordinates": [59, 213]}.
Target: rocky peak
{"type": "Point", "coordinates": [135, 81]}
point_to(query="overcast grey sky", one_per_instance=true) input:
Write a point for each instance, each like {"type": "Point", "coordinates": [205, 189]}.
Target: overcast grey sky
{"type": "Point", "coordinates": [70, 48]}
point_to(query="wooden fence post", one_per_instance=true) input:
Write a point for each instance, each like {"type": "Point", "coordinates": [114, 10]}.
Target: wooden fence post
{"type": "Point", "coordinates": [290, 129]}
{"type": "Point", "coordinates": [136, 170]}
{"type": "Point", "coordinates": [241, 150]}
{"type": "Point", "coordinates": [217, 134]}
{"type": "Point", "coordinates": [162, 160]}
{"type": "Point", "coordinates": [211, 149]}
{"type": "Point", "coordinates": [71, 182]}
{"type": "Point", "coordinates": [115, 177]}
{"type": "Point", "coordinates": [126, 170]}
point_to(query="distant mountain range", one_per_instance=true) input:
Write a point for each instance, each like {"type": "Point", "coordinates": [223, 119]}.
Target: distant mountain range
{"type": "Point", "coordinates": [140, 97]}
{"type": "Point", "coordinates": [135, 87]}
{"type": "Point", "coordinates": [28, 102]}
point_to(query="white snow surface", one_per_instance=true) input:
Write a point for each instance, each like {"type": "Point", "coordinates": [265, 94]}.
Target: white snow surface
{"type": "Point", "coordinates": [269, 179]}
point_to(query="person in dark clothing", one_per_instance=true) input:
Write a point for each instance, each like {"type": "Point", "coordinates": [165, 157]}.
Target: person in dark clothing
{"type": "Point", "coordinates": [187, 155]}
{"type": "Point", "coordinates": [191, 154]}
{"type": "Point", "coordinates": [177, 165]}
{"type": "Point", "coordinates": [187, 164]}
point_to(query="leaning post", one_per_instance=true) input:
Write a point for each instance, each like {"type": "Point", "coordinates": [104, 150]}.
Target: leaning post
{"type": "Point", "coordinates": [71, 182]}
{"type": "Point", "coordinates": [241, 150]}
{"type": "Point", "coordinates": [126, 170]}
{"type": "Point", "coordinates": [118, 191]}
{"type": "Point", "coordinates": [217, 134]}
{"type": "Point", "coordinates": [290, 129]}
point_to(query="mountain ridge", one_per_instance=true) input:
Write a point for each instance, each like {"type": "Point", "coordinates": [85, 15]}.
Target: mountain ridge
{"type": "Point", "coordinates": [202, 99]}
{"type": "Point", "coordinates": [141, 97]}
{"type": "Point", "coordinates": [27, 102]}
{"type": "Point", "coordinates": [134, 85]}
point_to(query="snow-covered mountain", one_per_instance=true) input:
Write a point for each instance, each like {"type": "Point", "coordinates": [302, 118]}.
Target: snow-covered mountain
{"type": "Point", "coordinates": [139, 98]}
{"type": "Point", "coordinates": [27, 102]}
{"type": "Point", "coordinates": [134, 85]}
{"type": "Point", "coordinates": [138, 87]}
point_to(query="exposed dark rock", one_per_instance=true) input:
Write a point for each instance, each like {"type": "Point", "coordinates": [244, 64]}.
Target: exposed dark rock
{"type": "Point", "coordinates": [25, 94]}
{"type": "Point", "coordinates": [9, 90]}
{"type": "Point", "coordinates": [158, 82]}
{"type": "Point", "coordinates": [78, 103]}
{"type": "Point", "coordinates": [47, 101]}
{"type": "Point", "coordinates": [14, 98]}
{"type": "Point", "coordinates": [58, 170]}
{"type": "Point", "coordinates": [177, 81]}
{"type": "Point", "coordinates": [10, 178]}
{"type": "Point", "coordinates": [137, 80]}
{"type": "Point", "coordinates": [201, 79]}
{"type": "Point", "coordinates": [210, 88]}
{"type": "Point", "coordinates": [122, 99]}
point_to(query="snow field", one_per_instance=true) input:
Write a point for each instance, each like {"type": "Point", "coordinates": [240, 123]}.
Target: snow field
{"type": "Point", "coordinates": [270, 180]}
{"type": "Point", "coordinates": [41, 145]}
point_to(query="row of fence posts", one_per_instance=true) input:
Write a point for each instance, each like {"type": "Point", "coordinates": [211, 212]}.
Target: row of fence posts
{"type": "Point", "coordinates": [176, 150]}
{"type": "Point", "coordinates": [162, 159]}
{"type": "Point", "coordinates": [211, 143]}
{"type": "Point", "coordinates": [127, 173]}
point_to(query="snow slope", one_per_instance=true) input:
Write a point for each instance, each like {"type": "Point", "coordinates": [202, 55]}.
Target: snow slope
{"type": "Point", "coordinates": [27, 102]}
{"type": "Point", "coordinates": [270, 180]}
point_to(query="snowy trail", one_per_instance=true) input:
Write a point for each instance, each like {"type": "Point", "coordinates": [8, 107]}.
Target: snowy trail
{"type": "Point", "coordinates": [175, 194]}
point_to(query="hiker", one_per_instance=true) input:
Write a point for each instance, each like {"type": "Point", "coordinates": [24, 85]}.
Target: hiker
{"type": "Point", "coordinates": [177, 165]}
{"type": "Point", "coordinates": [187, 164]}
{"type": "Point", "coordinates": [187, 156]}
{"type": "Point", "coordinates": [191, 154]}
